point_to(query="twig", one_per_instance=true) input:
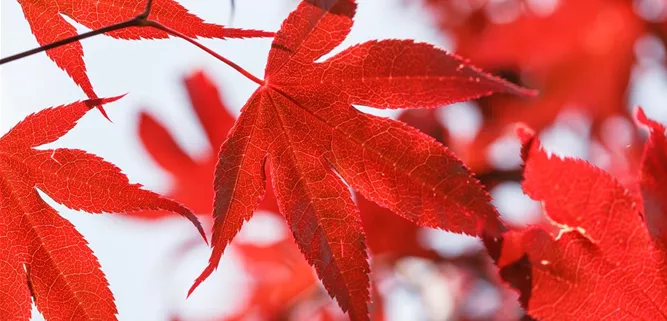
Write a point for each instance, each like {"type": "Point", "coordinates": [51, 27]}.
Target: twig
{"type": "Point", "coordinates": [134, 22]}
{"type": "Point", "coordinates": [230, 63]}
{"type": "Point", "coordinates": [140, 20]}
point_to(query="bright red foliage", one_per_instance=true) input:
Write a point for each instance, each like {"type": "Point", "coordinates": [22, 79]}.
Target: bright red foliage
{"type": "Point", "coordinates": [192, 178]}
{"type": "Point", "coordinates": [274, 294]}
{"type": "Point", "coordinates": [599, 252]}
{"type": "Point", "coordinates": [41, 254]}
{"type": "Point", "coordinates": [580, 56]}
{"type": "Point", "coordinates": [48, 25]}
{"type": "Point", "coordinates": [301, 117]}
{"type": "Point", "coordinates": [283, 286]}
{"type": "Point", "coordinates": [603, 257]}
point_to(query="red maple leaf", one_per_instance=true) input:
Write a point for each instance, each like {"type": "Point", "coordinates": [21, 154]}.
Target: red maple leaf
{"type": "Point", "coordinates": [580, 57]}
{"type": "Point", "coordinates": [48, 25]}
{"type": "Point", "coordinates": [303, 120]}
{"type": "Point", "coordinates": [603, 255]}
{"type": "Point", "coordinates": [283, 283]}
{"type": "Point", "coordinates": [192, 178]}
{"type": "Point", "coordinates": [41, 254]}
{"type": "Point", "coordinates": [284, 287]}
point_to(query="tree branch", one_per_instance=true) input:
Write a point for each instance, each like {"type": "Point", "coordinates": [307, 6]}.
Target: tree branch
{"type": "Point", "coordinates": [134, 22]}
{"type": "Point", "coordinates": [141, 20]}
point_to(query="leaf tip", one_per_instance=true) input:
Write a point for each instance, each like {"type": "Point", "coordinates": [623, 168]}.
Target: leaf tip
{"type": "Point", "coordinates": [519, 90]}
{"type": "Point", "coordinates": [100, 102]}
{"type": "Point", "coordinates": [145, 119]}
{"type": "Point", "coordinates": [641, 117]}
{"type": "Point", "coordinates": [198, 225]}
{"type": "Point", "coordinates": [653, 126]}
{"type": "Point", "coordinates": [526, 135]}
{"type": "Point", "coordinates": [528, 92]}
{"type": "Point", "coordinates": [203, 276]}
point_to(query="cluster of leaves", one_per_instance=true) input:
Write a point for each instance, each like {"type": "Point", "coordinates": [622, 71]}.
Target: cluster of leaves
{"type": "Point", "coordinates": [284, 285]}
{"type": "Point", "coordinates": [580, 55]}
{"type": "Point", "coordinates": [344, 181]}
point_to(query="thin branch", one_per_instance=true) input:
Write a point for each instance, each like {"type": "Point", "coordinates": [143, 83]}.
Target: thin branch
{"type": "Point", "coordinates": [140, 20]}
{"type": "Point", "coordinates": [134, 22]}
{"type": "Point", "coordinates": [129, 23]}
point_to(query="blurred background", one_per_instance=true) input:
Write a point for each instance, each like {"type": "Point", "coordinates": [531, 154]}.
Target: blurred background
{"type": "Point", "coordinates": [592, 61]}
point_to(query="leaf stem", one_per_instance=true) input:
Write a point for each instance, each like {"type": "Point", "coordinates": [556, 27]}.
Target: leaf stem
{"type": "Point", "coordinates": [140, 20]}
{"type": "Point", "coordinates": [147, 10]}
{"type": "Point", "coordinates": [230, 63]}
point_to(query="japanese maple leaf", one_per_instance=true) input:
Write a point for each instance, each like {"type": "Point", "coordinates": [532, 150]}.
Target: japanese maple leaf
{"type": "Point", "coordinates": [192, 178]}
{"type": "Point", "coordinates": [302, 119]}
{"type": "Point", "coordinates": [41, 254]}
{"type": "Point", "coordinates": [580, 56]}
{"type": "Point", "coordinates": [48, 25]}
{"type": "Point", "coordinates": [606, 258]}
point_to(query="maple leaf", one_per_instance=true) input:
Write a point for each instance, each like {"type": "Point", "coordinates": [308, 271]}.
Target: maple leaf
{"type": "Point", "coordinates": [580, 56]}
{"type": "Point", "coordinates": [600, 255]}
{"type": "Point", "coordinates": [48, 25]}
{"type": "Point", "coordinates": [41, 254]}
{"type": "Point", "coordinates": [192, 178]}
{"type": "Point", "coordinates": [303, 120]}
{"type": "Point", "coordinates": [283, 282]}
